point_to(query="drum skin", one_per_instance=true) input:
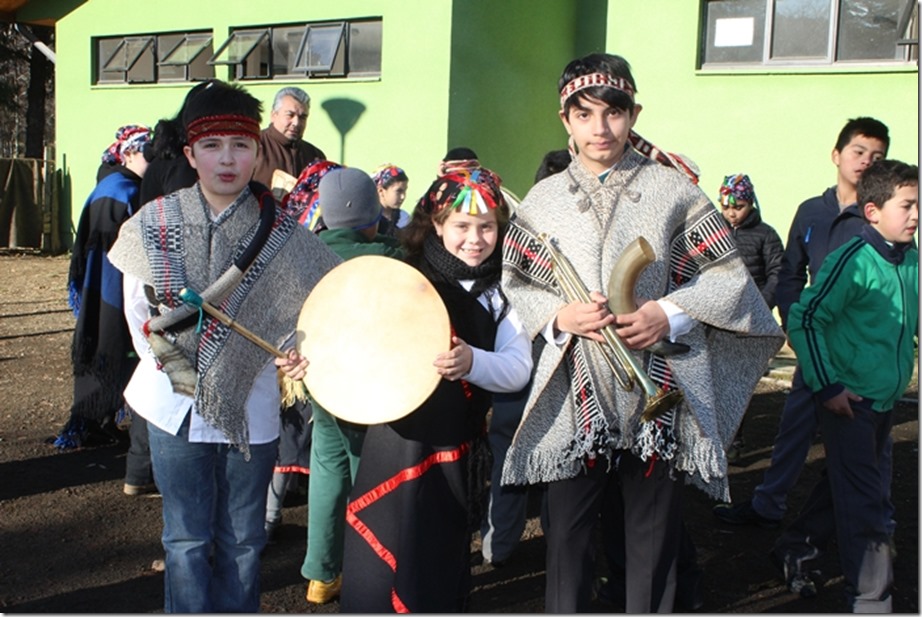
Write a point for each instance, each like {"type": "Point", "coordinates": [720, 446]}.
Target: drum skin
{"type": "Point", "coordinates": [371, 329]}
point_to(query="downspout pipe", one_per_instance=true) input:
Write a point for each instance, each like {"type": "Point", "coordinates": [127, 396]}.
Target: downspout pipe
{"type": "Point", "coordinates": [39, 45]}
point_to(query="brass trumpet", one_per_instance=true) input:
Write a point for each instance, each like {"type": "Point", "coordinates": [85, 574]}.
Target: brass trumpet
{"type": "Point", "coordinates": [622, 363]}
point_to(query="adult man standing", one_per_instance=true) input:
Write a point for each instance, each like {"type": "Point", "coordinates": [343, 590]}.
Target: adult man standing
{"type": "Point", "coordinates": [280, 143]}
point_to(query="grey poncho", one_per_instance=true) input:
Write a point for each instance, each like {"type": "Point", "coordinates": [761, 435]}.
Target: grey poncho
{"type": "Point", "coordinates": [697, 268]}
{"type": "Point", "coordinates": [173, 243]}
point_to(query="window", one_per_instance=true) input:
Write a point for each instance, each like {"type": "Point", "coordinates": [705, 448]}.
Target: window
{"type": "Point", "coordinates": [809, 32]}
{"type": "Point", "coordinates": [314, 50]}
{"type": "Point", "coordinates": [152, 58]}
{"type": "Point", "coordinates": [184, 59]}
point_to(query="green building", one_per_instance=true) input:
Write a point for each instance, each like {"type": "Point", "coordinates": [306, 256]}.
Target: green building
{"type": "Point", "coordinates": [754, 86]}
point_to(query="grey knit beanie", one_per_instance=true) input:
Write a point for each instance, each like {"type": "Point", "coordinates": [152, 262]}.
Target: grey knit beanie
{"type": "Point", "coordinates": [349, 199]}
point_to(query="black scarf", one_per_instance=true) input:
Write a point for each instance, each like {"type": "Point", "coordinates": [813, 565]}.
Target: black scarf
{"type": "Point", "coordinates": [440, 266]}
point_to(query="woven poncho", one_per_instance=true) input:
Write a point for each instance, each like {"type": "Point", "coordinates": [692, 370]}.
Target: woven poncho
{"type": "Point", "coordinates": [697, 268]}
{"type": "Point", "coordinates": [173, 243]}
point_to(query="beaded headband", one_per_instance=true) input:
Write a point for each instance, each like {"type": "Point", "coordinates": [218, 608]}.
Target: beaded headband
{"type": "Point", "coordinates": [471, 191]}
{"type": "Point", "coordinates": [226, 124]}
{"type": "Point", "coordinates": [595, 79]}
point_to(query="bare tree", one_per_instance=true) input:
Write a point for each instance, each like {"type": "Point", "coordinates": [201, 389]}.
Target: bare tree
{"type": "Point", "coordinates": [26, 92]}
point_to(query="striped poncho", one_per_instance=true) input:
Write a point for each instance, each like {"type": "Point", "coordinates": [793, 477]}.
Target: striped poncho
{"type": "Point", "coordinates": [576, 409]}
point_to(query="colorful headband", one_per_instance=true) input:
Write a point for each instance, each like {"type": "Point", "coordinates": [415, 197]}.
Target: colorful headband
{"type": "Point", "coordinates": [385, 174]}
{"type": "Point", "coordinates": [447, 167]}
{"type": "Point", "coordinates": [303, 202]}
{"type": "Point", "coordinates": [129, 138]}
{"type": "Point", "coordinates": [737, 187]}
{"type": "Point", "coordinates": [595, 79]}
{"type": "Point", "coordinates": [227, 124]}
{"type": "Point", "coordinates": [469, 191]}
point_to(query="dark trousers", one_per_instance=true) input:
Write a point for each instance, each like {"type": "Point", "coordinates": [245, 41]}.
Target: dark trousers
{"type": "Point", "coordinates": [138, 470]}
{"type": "Point", "coordinates": [506, 511]}
{"type": "Point", "coordinates": [650, 508]}
{"type": "Point", "coordinates": [852, 501]}
{"type": "Point", "coordinates": [796, 431]}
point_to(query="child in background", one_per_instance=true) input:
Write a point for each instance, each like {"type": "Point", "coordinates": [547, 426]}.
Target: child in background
{"type": "Point", "coordinates": [822, 224]}
{"type": "Point", "coordinates": [760, 247]}
{"type": "Point", "coordinates": [420, 487]}
{"type": "Point", "coordinates": [864, 302]}
{"type": "Point", "coordinates": [102, 355]}
{"type": "Point", "coordinates": [352, 213]}
{"type": "Point", "coordinates": [392, 191]}
{"type": "Point", "coordinates": [295, 432]}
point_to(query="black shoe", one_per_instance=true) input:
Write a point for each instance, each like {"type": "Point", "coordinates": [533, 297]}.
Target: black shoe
{"type": "Point", "coordinates": [743, 514]}
{"type": "Point", "coordinates": [796, 577]}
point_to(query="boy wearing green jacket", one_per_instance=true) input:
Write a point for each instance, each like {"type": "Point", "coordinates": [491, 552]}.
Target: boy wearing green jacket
{"type": "Point", "coordinates": [351, 212]}
{"type": "Point", "coordinates": [853, 334]}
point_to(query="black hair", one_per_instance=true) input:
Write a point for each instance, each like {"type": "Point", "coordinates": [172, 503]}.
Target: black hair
{"type": "Point", "coordinates": [459, 154]}
{"type": "Point", "coordinates": [553, 162]}
{"type": "Point", "coordinates": [219, 98]}
{"type": "Point", "coordinates": [869, 127]}
{"type": "Point", "coordinates": [880, 181]}
{"type": "Point", "coordinates": [609, 64]}
{"type": "Point", "coordinates": [169, 133]}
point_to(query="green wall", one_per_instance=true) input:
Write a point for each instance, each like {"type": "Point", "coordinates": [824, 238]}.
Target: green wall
{"type": "Point", "coordinates": [779, 127]}
{"type": "Point", "coordinates": [405, 118]}
{"type": "Point", "coordinates": [483, 73]}
{"type": "Point", "coordinates": [504, 70]}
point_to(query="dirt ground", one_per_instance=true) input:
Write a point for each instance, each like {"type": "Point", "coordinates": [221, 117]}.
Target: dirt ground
{"type": "Point", "coordinates": [71, 542]}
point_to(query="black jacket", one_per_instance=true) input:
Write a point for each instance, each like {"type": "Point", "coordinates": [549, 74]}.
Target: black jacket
{"type": "Point", "coordinates": [761, 249]}
{"type": "Point", "coordinates": [819, 227]}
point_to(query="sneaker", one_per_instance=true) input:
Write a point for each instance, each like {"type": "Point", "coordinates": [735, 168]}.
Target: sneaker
{"type": "Point", "coordinates": [136, 490]}
{"type": "Point", "coordinates": [744, 514]}
{"type": "Point", "coordinates": [320, 592]}
{"type": "Point", "coordinates": [796, 578]}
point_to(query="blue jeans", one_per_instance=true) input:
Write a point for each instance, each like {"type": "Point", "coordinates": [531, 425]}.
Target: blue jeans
{"type": "Point", "coordinates": [214, 506]}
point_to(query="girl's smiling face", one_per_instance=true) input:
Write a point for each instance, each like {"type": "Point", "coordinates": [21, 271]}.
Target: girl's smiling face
{"type": "Point", "coordinates": [470, 238]}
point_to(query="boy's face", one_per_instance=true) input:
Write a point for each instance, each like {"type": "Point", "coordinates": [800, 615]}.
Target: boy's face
{"type": "Point", "coordinates": [225, 165]}
{"type": "Point", "coordinates": [735, 211]}
{"type": "Point", "coordinates": [898, 218]}
{"type": "Point", "coordinates": [394, 195]}
{"type": "Point", "coordinates": [599, 132]}
{"type": "Point", "coordinates": [857, 156]}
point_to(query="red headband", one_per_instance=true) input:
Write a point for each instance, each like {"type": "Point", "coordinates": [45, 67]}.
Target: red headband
{"type": "Point", "coordinates": [227, 124]}
{"type": "Point", "coordinates": [595, 79]}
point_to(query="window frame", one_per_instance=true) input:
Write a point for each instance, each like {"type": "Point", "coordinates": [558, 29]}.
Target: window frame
{"type": "Point", "coordinates": [300, 64]}
{"type": "Point", "coordinates": [296, 66]}
{"type": "Point", "coordinates": [129, 72]}
{"type": "Point", "coordinates": [908, 19]}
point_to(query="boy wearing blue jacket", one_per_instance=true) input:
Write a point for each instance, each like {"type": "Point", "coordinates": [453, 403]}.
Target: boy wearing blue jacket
{"type": "Point", "coordinates": [863, 304]}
